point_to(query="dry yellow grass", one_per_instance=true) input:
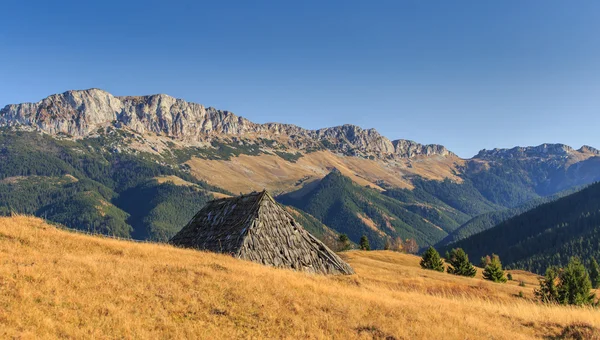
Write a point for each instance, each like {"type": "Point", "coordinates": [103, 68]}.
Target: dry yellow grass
{"type": "Point", "coordinates": [181, 182]}
{"type": "Point", "coordinates": [55, 284]}
{"type": "Point", "coordinates": [247, 173]}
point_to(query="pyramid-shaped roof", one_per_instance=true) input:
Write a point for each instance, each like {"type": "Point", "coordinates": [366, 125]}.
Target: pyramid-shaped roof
{"type": "Point", "coordinates": [256, 228]}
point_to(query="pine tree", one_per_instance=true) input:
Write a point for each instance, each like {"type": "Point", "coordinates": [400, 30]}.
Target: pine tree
{"type": "Point", "coordinates": [459, 263]}
{"type": "Point", "coordinates": [595, 274]}
{"type": "Point", "coordinates": [344, 242]}
{"type": "Point", "coordinates": [548, 292]}
{"type": "Point", "coordinates": [364, 243]}
{"type": "Point", "coordinates": [493, 270]}
{"type": "Point", "coordinates": [431, 260]}
{"type": "Point", "coordinates": [575, 286]}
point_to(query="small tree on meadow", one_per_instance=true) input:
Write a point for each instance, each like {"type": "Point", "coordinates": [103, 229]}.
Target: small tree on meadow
{"type": "Point", "coordinates": [431, 260]}
{"type": "Point", "coordinates": [397, 244]}
{"type": "Point", "coordinates": [411, 246]}
{"type": "Point", "coordinates": [387, 245]}
{"type": "Point", "coordinates": [459, 263]}
{"type": "Point", "coordinates": [509, 277]}
{"type": "Point", "coordinates": [485, 260]}
{"type": "Point", "coordinates": [493, 270]}
{"type": "Point", "coordinates": [344, 242]}
{"type": "Point", "coordinates": [364, 243]}
{"type": "Point", "coordinates": [575, 286]}
{"type": "Point", "coordinates": [548, 292]}
{"type": "Point", "coordinates": [595, 274]}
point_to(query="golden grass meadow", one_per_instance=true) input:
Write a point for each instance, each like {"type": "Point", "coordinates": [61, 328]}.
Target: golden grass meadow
{"type": "Point", "coordinates": [59, 284]}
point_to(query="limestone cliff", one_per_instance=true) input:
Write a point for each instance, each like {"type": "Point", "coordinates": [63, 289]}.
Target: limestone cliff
{"type": "Point", "coordinates": [81, 113]}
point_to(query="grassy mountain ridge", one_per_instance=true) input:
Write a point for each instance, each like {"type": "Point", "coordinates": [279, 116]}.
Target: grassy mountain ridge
{"type": "Point", "coordinates": [546, 235]}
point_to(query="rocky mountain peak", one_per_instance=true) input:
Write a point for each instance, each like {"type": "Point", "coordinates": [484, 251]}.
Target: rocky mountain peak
{"type": "Point", "coordinates": [589, 149]}
{"type": "Point", "coordinates": [544, 150]}
{"type": "Point", "coordinates": [79, 113]}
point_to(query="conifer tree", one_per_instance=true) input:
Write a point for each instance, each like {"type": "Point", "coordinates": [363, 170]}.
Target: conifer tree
{"type": "Point", "coordinates": [575, 286]}
{"type": "Point", "coordinates": [548, 292]}
{"type": "Point", "coordinates": [493, 270]}
{"type": "Point", "coordinates": [459, 263]}
{"type": "Point", "coordinates": [364, 243]}
{"type": "Point", "coordinates": [431, 260]}
{"type": "Point", "coordinates": [344, 242]}
{"type": "Point", "coordinates": [595, 274]}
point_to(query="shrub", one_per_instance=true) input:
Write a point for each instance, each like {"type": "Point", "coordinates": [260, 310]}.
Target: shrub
{"type": "Point", "coordinates": [509, 277]}
{"type": "Point", "coordinates": [431, 260]}
{"type": "Point", "coordinates": [459, 263]}
{"type": "Point", "coordinates": [521, 283]}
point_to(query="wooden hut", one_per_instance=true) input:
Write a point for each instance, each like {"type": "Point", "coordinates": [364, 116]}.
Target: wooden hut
{"type": "Point", "coordinates": [254, 227]}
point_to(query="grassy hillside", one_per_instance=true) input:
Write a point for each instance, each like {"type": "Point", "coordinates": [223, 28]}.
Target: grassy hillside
{"type": "Point", "coordinates": [57, 284]}
{"type": "Point", "coordinates": [546, 235]}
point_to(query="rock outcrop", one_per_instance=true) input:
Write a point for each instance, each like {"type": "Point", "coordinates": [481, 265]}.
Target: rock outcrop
{"type": "Point", "coordinates": [540, 151]}
{"type": "Point", "coordinates": [82, 113]}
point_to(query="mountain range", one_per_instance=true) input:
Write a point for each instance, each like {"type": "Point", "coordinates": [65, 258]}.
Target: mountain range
{"type": "Point", "coordinates": [140, 166]}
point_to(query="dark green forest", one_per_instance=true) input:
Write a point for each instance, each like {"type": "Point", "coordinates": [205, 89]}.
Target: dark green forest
{"type": "Point", "coordinates": [82, 185]}
{"type": "Point", "coordinates": [546, 235]}
{"type": "Point", "coordinates": [488, 220]}
{"type": "Point", "coordinates": [344, 206]}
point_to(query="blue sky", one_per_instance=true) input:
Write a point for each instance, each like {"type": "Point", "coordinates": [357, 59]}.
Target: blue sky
{"type": "Point", "coordinates": [465, 74]}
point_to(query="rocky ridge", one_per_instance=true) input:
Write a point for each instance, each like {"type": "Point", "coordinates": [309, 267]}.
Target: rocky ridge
{"type": "Point", "coordinates": [540, 151]}
{"type": "Point", "coordinates": [81, 113]}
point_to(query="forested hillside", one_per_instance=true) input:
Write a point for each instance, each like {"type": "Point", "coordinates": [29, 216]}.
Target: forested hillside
{"type": "Point", "coordinates": [82, 185]}
{"type": "Point", "coordinates": [488, 220]}
{"type": "Point", "coordinates": [546, 235]}
{"type": "Point", "coordinates": [107, 183]}
{"type": "Point", "coordinates": [354, 210]}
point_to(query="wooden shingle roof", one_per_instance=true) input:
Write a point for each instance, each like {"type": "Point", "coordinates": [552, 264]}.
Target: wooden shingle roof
{"type": "Point", "coordinates": [256, 228]}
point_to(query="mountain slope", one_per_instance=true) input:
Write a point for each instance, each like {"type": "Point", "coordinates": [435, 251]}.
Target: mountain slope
{"type": "Point", "coordinates": [60, 284]}
{"type": "Point", "coordinates": [122, 144]}
{"type": "Point", "coordinates": [78, 183]}
{"type": "Point", "coordinates": [354, 210]}
{"type": "Point", "coordinates": [546, 235]}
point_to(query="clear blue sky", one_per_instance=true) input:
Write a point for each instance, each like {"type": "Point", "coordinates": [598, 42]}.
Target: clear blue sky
{"type": "Point", "coordinates": [465, 74]}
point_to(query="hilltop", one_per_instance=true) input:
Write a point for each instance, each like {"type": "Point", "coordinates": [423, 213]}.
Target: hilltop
{"type": "Point", "coordinates": [56, 283]}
